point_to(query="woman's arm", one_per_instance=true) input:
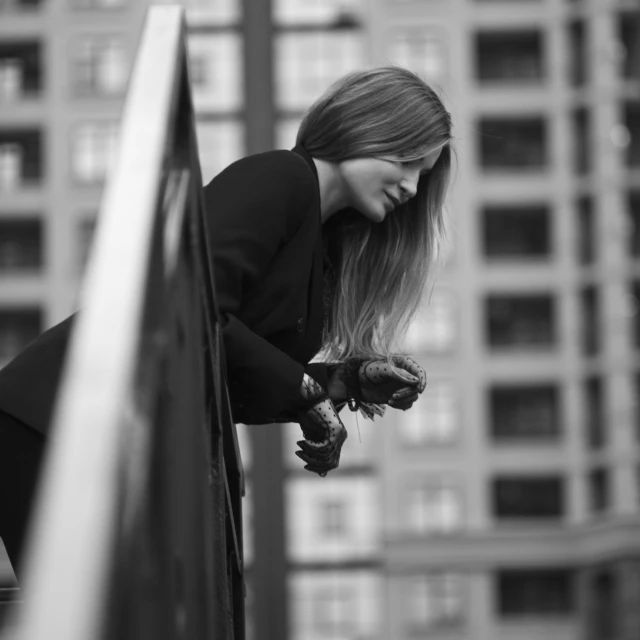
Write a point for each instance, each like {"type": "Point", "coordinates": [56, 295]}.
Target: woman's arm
{"type": "Point", "coordinates": [254, 207]}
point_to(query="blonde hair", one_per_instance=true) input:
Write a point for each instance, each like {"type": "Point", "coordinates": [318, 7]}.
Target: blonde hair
{"type": "Point", "coordinates": [382, 268]}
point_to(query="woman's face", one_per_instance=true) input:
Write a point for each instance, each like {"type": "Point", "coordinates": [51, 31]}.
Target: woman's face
{"type": "Point", "coordinates": [376, 187]}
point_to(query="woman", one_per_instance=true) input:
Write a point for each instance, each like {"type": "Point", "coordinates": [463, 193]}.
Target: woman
{"type": "Point", "coordinates": [323, 250]}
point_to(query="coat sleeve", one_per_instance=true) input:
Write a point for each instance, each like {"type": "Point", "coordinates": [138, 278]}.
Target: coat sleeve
{"type": "Point", "coordinates": [252, 208]}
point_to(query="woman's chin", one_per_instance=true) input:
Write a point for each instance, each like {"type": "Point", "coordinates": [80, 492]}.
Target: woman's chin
{"type": "Point", "coordinates": [375, 215]}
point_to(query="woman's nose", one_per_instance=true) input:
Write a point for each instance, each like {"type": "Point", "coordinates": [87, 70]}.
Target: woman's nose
{"type": "Point", "coordinates": [409, 185]}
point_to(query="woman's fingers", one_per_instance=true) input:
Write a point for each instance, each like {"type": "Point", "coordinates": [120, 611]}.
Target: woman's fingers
{"type": "Point", "coordinates": [318, 466]}
{"type": "Point", "coordinates": [404, 392]}
{"type": "Point", "coordinates": [410, 365]}
{"type": "Point", "coordinates": [403, 405]}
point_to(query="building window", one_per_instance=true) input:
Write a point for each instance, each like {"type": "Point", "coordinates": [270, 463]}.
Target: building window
{"type": "Point", "coordinates": [433, 419]}
{"type": "Point", "coordinates": [599, 490]}
{"type": "Point", "coordinates": [433, 601]}
{"type": "Point", "coordinates": [594, 416]}
{"type": "Point", "coordinates": [334, 521]}
{"type": "Point", "coordinates": [98, 5]}
{"type": "Point", "coordinates": [333, 518]}
{"type": "Point", "coordinates": [636, 407]}
{"type": "Point", "coordinates": [10, 166]}
{"type": "Point", "coordinates": [10, 79]}
{"type": "Point", "coordinates": [581, 141]}
{"type": "Point", "coordinates": [20, 5]}
{"type": "Point", "coordinates": [93, 151]}
{"type": "Point", "coordinates": [215, 62]}
{"type": "Point", "coordinates": [307, 63]}
{"type": "Point", "coordinates": [18, 327]}
{"type": "Point", "coordinates": [520, 321]}
{"type": "Point", "coordinates": [517, 231]}
{"type": "Point", "coordinates": [20, 246]}
{"type": "Point", "coordinates": [435, 330]}
{"type": "Point", "coordinates": [632, 122]}
{"type": "Point", "coordinates": [324, 12]}
{"type": "Point", "coordinates": [586, 230]}
{"type": "Point", "coordinates": [535, 592]}
{"type": "Point", "coordinates": [220, 143]}
{"type": "Point", "coordinates": [634, 294]}
{"type": "Point", "coordinates": [212, 12]}
{"type": "Point", "coordinates": [525, 412]}
{"type": "Point", "coordinates": [577, 53]}
{"type": "Point", "coordinates": [20, 70]}
{"type": "Point", "coordinates": [20, 158]}
{"type": "Point", "coordinates": [512, 144]}
{"type": "Point", "coordinates": [333, 613]}
{"type": "Point", "coordinates": [633, 213]}
{"type": "Point", "coordinates": [603, 608]}
{"type": "Point", "coordinates": [433, 506]}
{"type": "Point", "coordinates": [589, 302]}
{"type": "Point", "coordinates": [335, 604]}
{"type": "Point", "coordinates": [99, 66]}
{"type": "Point", "coordinates": [421, 50]}
{"type": "Point", "coordinates": [508, 56]}
{"type": "Point", "coordinates": [629, 34]}
{"type": "Point", "coordinates": [531, 497]}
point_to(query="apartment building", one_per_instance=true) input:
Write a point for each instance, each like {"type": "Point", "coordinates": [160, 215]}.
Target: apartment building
{"type": "Point", "coordinates": [506, 503]}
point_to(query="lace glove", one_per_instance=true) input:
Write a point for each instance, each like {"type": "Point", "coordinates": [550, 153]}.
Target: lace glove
{"type": "Point", "coordinates": [323, 430]}
{"type": "Point", "coordinates": [378, 382]}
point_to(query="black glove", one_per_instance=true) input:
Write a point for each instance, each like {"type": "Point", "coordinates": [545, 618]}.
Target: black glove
{"type": "Point", "coordinates": [376, 382]}
{"type": "Point", "coordinates": [322, 428]}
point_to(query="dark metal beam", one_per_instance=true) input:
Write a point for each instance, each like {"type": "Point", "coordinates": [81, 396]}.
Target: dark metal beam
{"type": "Point", "coordinates": [258, 76]}
{"type": "Point", "coordinates": [269, 571]}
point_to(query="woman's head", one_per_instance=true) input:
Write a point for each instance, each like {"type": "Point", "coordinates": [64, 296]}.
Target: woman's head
{"type": "Point", "coordinates": [391, 117]}
{"type": "Point", "coordinates": [387, 112]}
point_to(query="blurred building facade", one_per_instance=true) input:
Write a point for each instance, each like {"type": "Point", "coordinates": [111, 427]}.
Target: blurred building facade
{"type": "Point", "coordinates": [506, 503]}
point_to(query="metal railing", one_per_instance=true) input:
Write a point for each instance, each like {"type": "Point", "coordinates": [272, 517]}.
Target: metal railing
{"type": "Point", "coordinates": [137, 531]}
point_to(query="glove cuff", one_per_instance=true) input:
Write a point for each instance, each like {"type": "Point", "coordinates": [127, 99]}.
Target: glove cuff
{"type": "Point", "coordinates": [349, 374]}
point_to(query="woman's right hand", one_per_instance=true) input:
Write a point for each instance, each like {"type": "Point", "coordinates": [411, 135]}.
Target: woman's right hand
{"type": "Point", "coordinates": [323, 430]}
{"type": "Point", "coordinates": [324, 436]}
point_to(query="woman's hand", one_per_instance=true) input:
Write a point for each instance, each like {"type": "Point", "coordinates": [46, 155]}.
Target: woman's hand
{"type": "Point", "coordinates": [323, 430]}
{"type": "Point", "coordinates": [324, 436]}
{"type": "Point", "coordinates": [398, 384]}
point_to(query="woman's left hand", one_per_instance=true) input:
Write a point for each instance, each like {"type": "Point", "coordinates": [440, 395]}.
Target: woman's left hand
{"type": "Point", "coordinates": [404, 398]}
{"type": "Point", "coordinates": [397, 385]}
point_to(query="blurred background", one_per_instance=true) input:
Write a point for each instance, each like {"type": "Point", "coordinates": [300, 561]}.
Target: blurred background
{"type": "Point", "coordinates": [506, 503]}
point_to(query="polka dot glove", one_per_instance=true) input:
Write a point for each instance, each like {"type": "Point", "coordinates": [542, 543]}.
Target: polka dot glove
{"type": "Point", "coordinates": [322, 428]}
{"type": "Point", "coordinates": [398, 384]}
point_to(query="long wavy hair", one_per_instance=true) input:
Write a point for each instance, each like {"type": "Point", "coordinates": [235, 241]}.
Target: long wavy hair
{"type": "Point", "coordinates": [381, 268]}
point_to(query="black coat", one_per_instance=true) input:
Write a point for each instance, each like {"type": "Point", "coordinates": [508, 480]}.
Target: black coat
{"type": "Point", "coordinates": [264, 228]}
